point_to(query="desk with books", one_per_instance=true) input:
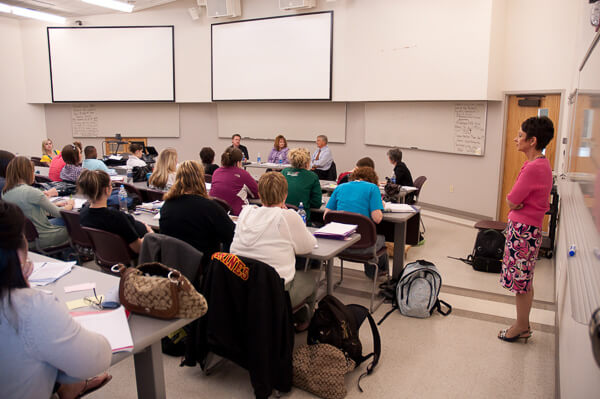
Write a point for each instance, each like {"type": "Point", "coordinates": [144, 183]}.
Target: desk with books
{"type": "Point", "coordinates": [146, 332]}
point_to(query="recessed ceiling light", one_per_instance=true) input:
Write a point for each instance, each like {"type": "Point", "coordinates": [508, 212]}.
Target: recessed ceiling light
{"type": "Point", "coordinates": [113, 4]}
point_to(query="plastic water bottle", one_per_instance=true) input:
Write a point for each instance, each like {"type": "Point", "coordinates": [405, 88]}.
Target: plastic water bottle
{"type": "Point", "coordinates": [123, 199]}
{"type": "Point", "coordinates": [280, 160]}
{"type": "Point", "coordinates": [258, 158]}
{"type": "Point", "coordinates": [302, 212]}
{"type": "Point", "coordinates": [393, 179]}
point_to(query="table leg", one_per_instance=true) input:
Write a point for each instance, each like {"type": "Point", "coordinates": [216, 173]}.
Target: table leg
{"type": "Point", "coordinates": [399, 243]}
{"type": "Point", "coordinates": [329, 274]}
{"type": "Point", "coordinates": [149, 373]}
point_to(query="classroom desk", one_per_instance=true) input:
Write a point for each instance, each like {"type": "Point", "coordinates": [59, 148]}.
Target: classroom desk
{"type": "Point", "coordinates": [399, 228]}
{"type": "Point", "coordinates": [145, 331]}
{"type": "Point", "coordinates": [267, 165]}
{"type": "Point", "coordinates": [328, 186]}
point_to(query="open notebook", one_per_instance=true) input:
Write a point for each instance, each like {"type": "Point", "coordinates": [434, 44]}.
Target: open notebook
{"type": "Point", "coordinates": [399, 208]}
{"type": "Point", "coordinates": [112, 324]}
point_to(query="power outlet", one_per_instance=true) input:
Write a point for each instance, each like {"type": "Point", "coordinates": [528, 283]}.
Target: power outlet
{"type": "Point", "coordinates": [452, 188]}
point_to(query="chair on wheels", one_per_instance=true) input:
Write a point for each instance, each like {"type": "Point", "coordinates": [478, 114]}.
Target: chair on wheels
{"type": "Point", "coordinates": [32, 236]}
{"type": "Point", "coordinates": [42, 179]}
{"type": "Point", "coordinates": [79, 238]}
{"type": "Point", "coordinates": [368, 239]}
{"type": "Point", "coordinates": [109, 249]}
{"type": "Point", "coordinates": [418, 183]}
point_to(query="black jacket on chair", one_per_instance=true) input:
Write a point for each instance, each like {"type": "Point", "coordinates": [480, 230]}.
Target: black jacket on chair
{"type": "Point", "coordinates": [249, 322]}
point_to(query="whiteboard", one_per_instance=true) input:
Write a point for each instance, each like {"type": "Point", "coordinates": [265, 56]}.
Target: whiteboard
{"type": "Point", "coordinates": [443, 126]}
{"type": "Point", "coordinates": [130, 120]}
{"type": "Point", "coordinates": [302, 121]}
{"type": "Point", "coordinates": [93, 64]}
{"type": "Point", "coordinates": [277, 58]}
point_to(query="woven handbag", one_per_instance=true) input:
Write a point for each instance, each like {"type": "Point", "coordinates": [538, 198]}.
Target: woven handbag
{"type": "Point", "coordinates": [320, 370]}
{"type": "Point", "coordinates": [153, 289]}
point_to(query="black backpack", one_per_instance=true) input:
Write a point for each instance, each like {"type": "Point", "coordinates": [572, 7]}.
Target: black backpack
{"type": "Point", "coordinates": [487, 252]}
{"type": "Point", "coordinates": [337, 324]}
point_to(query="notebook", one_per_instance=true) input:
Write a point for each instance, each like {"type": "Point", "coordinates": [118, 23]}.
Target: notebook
{"type": "Point", "coordinates": [399, 208]}
{"type": "Point", "coordinates": [112, 325]}
{"type": "Point", "coordinates": [336, 230]}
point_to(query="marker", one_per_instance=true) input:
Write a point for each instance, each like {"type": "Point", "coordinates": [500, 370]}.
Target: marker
{"type": "Point", "coordinates": [572, 250]}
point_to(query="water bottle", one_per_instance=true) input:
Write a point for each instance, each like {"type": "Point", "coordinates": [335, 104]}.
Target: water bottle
{"type": "Point", "coordinates": [258, 158]}
{"type": "Point", "coordinates": [302, 212]}
{"type": "Point", "coordinates": [123, 199]}
{"type": "Point", "coordinates": [393, 179]}
{"type": "Point", "coordinates": [130, 176]}
{"type": "Point", "coordinates": [280, 160]}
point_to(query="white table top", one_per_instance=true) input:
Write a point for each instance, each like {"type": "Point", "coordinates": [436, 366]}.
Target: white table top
{"type": "Point", "coordinates": [267, 165]}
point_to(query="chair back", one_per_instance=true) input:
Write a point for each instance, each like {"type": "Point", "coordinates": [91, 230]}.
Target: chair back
{"type": "Point", "coordinates": [31, 233]}
{"type": "Point", "coordinates": [366, 227]}
{"type": "Point", "coordinates": [42, 179]}
{"type": "Point", "coordinates": [224, 204]}
{"type": "Point", "coordinates": [37, 161]}
{"type": "Point", "coordinates": [208, 178]}
{"type": "Point", "coordinates": [109, 248]}
{"type": "Point", "coordinates": [150, 195]}
{"type": "Point", "coordinates": [332, 172]}
{"type": "Point", "coordinates": [131, 189]}
{"type": "Point", "coordinates": [76, 233]}
{"type": "Point", "coordinates": [419, 181]}
{"type": "Point", "coordinates": [293, 207]}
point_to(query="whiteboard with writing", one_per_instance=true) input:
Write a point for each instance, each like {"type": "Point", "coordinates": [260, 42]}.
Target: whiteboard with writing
{"type": "Point", "coordinates": [84, 120]}
{"type": "Point", "coordinates": [442, 126]}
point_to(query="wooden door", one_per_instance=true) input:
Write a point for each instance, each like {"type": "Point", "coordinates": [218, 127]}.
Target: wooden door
{"type": "Point", "coordinates": [513, 159]}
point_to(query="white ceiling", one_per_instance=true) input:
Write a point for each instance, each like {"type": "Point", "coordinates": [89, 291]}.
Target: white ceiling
{"type": "Point", "coordinates": [76, 8]}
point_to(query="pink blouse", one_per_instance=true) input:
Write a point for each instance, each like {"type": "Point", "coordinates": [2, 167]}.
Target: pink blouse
{"type": "Point", "coordinates": [532, 189]}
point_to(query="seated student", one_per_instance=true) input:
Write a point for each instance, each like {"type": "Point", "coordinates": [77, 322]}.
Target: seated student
{"type": "Point", "coordinates": [57, 165]}
{"type": "Point", "coordinates": [71, 154]}
{"type": "Point", "coordinates": [279, 152]}
{"type": "Point", "coordinates": [322, 159]}
{"type": "Point", "coordinates": [207, 155]}
{"type": "Point", "coordinates": [274, 235]}
{"type": "Point", "coordinates": [96, 186]}
{"type": "Point", "coordinates": [231, 183]}
{"type": "Point", "coordinates": [191, 216]}
{"type": "Point", "coordinates": [134, 159]}
{"type": "Point", "coordinates": [90, 162]}
{"type": "Point", "coordinates": [5, 158]}
{"type": "Point", "coordinates": [48, 151]}
{"type": "Point", "coordinates": [34, 204]}
{"type": "Point", "coordinates": [303, 184]}
{"type": "Point", "coordinates": [42, 347]}
{"type": "Point", "coordinates": [401, 172]}
{"type": "Point", "coordinates": [345, 177]}
{"type": "Point", "coordinates": [362, 195]}
{"type": "Point", "coordinates": [235, 143]}
{"type": "Point", "coordinates": [163, 176]}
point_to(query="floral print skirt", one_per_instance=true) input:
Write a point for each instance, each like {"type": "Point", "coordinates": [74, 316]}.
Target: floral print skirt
{"type": "Point", "coordinates": [520, 253]}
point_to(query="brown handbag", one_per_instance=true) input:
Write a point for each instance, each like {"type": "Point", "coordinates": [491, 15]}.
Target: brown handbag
{"type": "Point", "coordinates": [156, 290]}
{"type": "Point", "coordinates": [320, 370]}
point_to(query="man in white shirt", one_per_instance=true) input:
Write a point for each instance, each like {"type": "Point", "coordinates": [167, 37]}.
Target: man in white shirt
{"type": "Point", "coordinates": [135, 156]}
{"type": "Point", "coordinates": [322, 160]}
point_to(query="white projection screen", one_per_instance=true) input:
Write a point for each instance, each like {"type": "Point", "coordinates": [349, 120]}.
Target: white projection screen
{"type": "Point", "coordinates": [278, 58]}
{"type": "Point", "coordinates": [97, 64]}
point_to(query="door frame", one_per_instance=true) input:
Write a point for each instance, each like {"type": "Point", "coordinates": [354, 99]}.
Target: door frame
{"type": "Point", "coordinates": [558, 130]}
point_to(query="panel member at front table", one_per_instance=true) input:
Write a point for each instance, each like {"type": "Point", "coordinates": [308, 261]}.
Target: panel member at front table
{"type": "Point", "coordinates": [235, 143]}
{"type": "Point", "coordinates": [322, 159]}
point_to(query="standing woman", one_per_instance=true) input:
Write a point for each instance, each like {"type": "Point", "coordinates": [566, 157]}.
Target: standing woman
{"type": "Point", "coordinates": [163, 176]}
{"type": "Point", "coordinates": [48, 151]}
{"type": "Point", "coordinates": [528, 201]}
{"type": "Point", "coordinates": [279, 150]}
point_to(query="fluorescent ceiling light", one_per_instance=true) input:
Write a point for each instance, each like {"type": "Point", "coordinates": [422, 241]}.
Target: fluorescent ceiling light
{"type": "Point", "coordinates": [115, 5]}
{"type": "Point", "coordinates": [27, 13]}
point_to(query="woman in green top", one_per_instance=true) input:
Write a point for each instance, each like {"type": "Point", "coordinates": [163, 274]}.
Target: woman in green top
{"type": "Point", "coordinates": [34, 203]}
{"type": "Point", "coordinates": [303, 184]}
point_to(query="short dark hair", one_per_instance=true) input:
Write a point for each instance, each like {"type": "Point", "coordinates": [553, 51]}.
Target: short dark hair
{"type": "Point", "coordinates": [540, 127]}
{"type": "Point", "coordinates": [395, 154]}
{"type": "Point", "coordinates": [207, 155]}
{"type": "Point", "coordinates": [135, 147]}
{"type": "Point", "coordinates": [90, 152]}
{"type": "Point", "coordinates": [70, 154]}
{"type": "Point", "coordinates": [5, 158]}
{"type": "Point", "coordinates": [366, 161]}
{"type": "Point", "coordinates": [231, 156]}
{"type": "Point", "coordinates": [235, 135]}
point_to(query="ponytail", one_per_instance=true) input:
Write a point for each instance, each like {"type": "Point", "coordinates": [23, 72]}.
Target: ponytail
{"type": "Point", "coordinates": [92, 183]}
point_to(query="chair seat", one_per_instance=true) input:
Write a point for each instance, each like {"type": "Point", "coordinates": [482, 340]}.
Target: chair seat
{"type": "Point", "coordinates": [352, 257]}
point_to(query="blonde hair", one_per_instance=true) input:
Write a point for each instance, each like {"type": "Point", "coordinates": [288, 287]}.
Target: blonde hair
{"type": "Point", "coordinates": [44, 152]}
{"type": "Point", "coordinates": [189, 180]}
{"type": "Point", "coordinates": [272, 188]}
{"type": "Point", "coordinates": [299, 158]}
{"type": "Point", "coordinates": [18, 171]}
{"type": "Point", "coordinates": [279, 137]}
{"type": "Point", "coordinates": [92, 183]}
{"type": "Point", "coordinates": [165, 165]}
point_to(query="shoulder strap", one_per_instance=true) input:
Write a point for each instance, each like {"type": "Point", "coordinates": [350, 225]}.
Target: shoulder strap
{"type": "Point", "coordinates": [438, 307]}
{"type": "Point", "coordinates": [361, 313]}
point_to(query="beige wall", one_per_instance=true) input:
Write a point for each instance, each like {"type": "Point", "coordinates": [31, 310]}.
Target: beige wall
{"type": "Point", "coordinates": [22, 126]}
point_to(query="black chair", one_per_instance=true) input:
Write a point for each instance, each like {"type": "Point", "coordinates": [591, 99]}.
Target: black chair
{"type": "Point", "coordinates": [42, 179]}
{"type": "Point", "coordinates": [150, 195]}
{"type": "Point", "coordinates": [224, 204]}
{"type": "Point", "coordinates": [418, 183]}
{"type": "Point", "coordinates": [32, 236]}
{"type": "Point", "coordinates": [368, 238]}
{"type": "Point", "coordinates": [37, 161]}
{"type": "Point", "coordinates": [208, 178]}
{"type": "Point", "coordinates": [79, 238]}
{"type": "Point", "coordinates": [329, 174]}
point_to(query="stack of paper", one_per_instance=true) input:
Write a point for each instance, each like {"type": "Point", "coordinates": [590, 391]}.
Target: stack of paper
{"type": "Point", "coordinates": [47, 272]}
{"type": "Point", "coordinates": [113, 325]}
{"type": "Point", "coordinates": [336, 230]}
{"type": "Point", "coordinates": [399, 208]}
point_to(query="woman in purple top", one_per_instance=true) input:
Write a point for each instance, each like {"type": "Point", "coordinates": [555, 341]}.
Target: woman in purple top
{"type": "Point", "coordinates": [71, 154]}
{"type": "Point", "coordinates": [231, 183]}
{"type": "Point", "coordinates": [528, 201]}
{"type": "Point", "coordinates": [279, 150]}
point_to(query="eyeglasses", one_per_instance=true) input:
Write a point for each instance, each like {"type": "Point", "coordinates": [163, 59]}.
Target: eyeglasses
{"type": "Point", "coordinates": [99, 304]}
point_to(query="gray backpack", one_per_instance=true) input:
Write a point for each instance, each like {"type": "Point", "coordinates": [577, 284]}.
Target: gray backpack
{"type": "Point", "coordinates": [416, 293]}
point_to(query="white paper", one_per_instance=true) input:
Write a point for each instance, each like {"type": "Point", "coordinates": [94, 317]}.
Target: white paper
{"type": "Point", "coordinates": [399, 208]}
{"type": "Point", "coordinates": [116, 157]}
{"type": "Point", "coordinates": [337, 229]}
{"type": "Point", "coordinates": [47, 272]}
{"type": "Point", "coordinates": [112, 325]}
{"type": "Point", "coordinates": [79, 202]}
